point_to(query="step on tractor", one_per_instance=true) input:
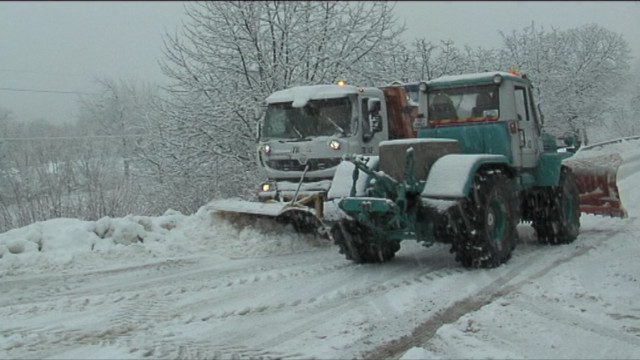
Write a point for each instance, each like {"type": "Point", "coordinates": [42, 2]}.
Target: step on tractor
{"type": "Point", "coordinates": [479, 165]}
{"type": "Point", "coordinates": [304, 135]}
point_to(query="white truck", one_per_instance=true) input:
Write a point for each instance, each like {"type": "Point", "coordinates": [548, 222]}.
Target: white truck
{"type": "Point", "coordinates": [304, 135]}
{"type": "Point", "coordinates": [307, 130]}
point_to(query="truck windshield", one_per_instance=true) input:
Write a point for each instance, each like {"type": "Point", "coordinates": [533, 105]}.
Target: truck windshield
{"type": "Point", "coordinates": [324, 117]}
{"type": "Point", "coordinates": [468, 103]}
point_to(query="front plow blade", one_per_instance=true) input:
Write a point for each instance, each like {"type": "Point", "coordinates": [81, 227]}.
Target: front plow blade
{"type": "Point", "coordinates": [596, 178]}
{"type": "Point", "coordinates": [302, 218]}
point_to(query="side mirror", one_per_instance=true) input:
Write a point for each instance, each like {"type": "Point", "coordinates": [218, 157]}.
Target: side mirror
{"type": "Point", "coordinates": [258, 130]}
{"type": "Point", "coordinates": [375, 123]}
{"type": "Point", "coordinates": [569, 139]}
{"type": "Point", "coordinates": [540, 114]}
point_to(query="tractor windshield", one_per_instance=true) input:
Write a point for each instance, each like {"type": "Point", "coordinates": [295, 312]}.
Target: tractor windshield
{"type": "Point", "coordinates": [322, 117]}
{"type": "Point", "coordinates": [465, 103]}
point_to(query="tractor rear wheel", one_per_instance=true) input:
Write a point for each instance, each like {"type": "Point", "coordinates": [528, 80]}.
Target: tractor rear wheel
{"type": "Point", "coordinates": [491, 212]}
{"type": "Point", "coordinates": [356, 244]}
{"type": "Point", "coordinates": [560, 221]}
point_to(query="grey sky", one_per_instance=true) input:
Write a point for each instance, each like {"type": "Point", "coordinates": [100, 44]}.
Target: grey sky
{"type": "Point", "coordinates": [477, 23]}
{"type": "Point", "coordinates": [64, 46]}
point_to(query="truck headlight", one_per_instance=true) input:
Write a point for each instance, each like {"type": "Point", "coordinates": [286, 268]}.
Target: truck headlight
{"type": "Point", "coordinates": [266, 148]}
{"type": "Point", "coordinates": [334, 145]}
{"type": "Point", "coordinates": [266, 187]}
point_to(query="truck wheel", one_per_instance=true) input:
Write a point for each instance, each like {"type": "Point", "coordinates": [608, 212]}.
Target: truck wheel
{"type": "Point", "coordinates": [491, 212]}
{"type": "Point", "coordinates": [560, 223]}
{"type": "Point", "coordinates": [354, 242]}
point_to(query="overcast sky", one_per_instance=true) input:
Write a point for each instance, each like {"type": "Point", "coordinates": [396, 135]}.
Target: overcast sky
{"type": "Point", "coordinates": [50, 51]}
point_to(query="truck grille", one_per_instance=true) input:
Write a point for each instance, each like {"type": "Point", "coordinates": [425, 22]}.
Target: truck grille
{"type": "Point", "coordinates": [294, 165]}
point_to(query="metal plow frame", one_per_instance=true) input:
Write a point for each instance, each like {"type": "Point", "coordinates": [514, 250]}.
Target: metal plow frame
{"type": "Point", "coordinates": [299, 214]}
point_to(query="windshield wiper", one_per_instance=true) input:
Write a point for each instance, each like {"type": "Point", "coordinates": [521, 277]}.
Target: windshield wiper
{"type": "Point", "coordinates": [297, 131]}
{"type": "Point", "coordinates": [300, 136]}
{"type": "Point", "coordinates": [337, 126]}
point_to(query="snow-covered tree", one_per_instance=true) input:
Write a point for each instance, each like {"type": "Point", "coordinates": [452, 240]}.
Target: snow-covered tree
{"type": "Point", "coordinates": [118, 114]}
{"type": "Point", "coordinates": [36, 172]}
{"type": "Point", "coordinates": [426, 60]}
{"type": "Point", "coordinates": [231, 55]}
{"type": "Point", "coordinates": [578, 72]}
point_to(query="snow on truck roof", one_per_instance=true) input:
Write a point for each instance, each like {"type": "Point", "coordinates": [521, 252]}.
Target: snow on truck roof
{"type": "Point", "coordinates": [299, 95]}
{"type": "Point", "coordinates": [483, 77]}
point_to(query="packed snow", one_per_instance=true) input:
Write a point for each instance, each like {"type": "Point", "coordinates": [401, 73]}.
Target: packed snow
{"type": "Point", "coordinates": [209, 285]}
{"type": "Point", "coordinates": [300, 95]}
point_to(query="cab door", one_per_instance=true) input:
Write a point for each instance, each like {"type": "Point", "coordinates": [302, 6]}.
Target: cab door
{"type": "Point", "coordinates": [528, 129]}
{"type": "Point", "coordinates": [371, 137]}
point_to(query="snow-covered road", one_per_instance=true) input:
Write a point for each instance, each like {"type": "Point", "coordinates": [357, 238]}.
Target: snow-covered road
{"type": "Point", "coordinates": [315, 304]}
{"type": "Point", "coordinates": [199, 287]}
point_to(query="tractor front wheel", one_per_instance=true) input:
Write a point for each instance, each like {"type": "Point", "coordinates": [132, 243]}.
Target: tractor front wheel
{"type": "Point", "coordinates": [491, 216]}
{"type": "Point", "coordinates": [560, 221]}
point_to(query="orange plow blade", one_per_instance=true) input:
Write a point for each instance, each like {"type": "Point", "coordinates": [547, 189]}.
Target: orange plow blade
{"type": "Point", "coordinates": [596, 178]}
{"type": "Point", "coordinates": [596, 170]}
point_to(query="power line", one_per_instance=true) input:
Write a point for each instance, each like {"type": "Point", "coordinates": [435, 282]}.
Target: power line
{"type": "Point", "coordinates": [48, 91]}
{"type": "Point", "coordinates": [72, 137]}
{"type": "Point", "coordinates": [41, 72]}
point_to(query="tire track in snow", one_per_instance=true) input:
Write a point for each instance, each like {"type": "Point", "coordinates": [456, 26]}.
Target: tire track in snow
{"type": "Point", "coordinates": [578, 321]}
{"type": "Point", "coordinates": [498, 288]}
{"type": "Point", "coordinates": [148, 304]}
{"type": "Point", "coordinates": [34, 289]}
{"type": "Point", "coordinates": [317, 305]}
{"type": "Point", "coordinates": [310, 289]}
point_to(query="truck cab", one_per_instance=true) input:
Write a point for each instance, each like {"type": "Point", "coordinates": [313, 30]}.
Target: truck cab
{"type": "Point", "coordinates": [307, 130]}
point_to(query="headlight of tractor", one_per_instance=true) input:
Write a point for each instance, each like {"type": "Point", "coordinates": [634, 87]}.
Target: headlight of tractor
{"type": "Point", "coordinates": [266, 148]}
{"type": "Point", "coordinates": [334, 145]}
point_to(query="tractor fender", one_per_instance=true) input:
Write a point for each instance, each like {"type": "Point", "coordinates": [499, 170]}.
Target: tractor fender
{"type": "Point", "coordinates": [451, 175]}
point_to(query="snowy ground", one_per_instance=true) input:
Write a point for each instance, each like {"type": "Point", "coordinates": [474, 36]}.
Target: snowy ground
{"type": "Point", "coordinates": [198, 286]}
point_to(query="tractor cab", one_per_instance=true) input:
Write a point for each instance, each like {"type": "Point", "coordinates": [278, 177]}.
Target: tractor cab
{"type": "Point", "coordinates": [488, 113]}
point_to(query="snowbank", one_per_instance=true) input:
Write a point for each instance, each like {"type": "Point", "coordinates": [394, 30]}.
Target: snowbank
{"type": "Point", "coordinates": [67, 243]}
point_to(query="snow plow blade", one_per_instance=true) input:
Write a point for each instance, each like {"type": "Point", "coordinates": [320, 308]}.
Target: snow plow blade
{"type": "Point", "coordinates": [302, 218]}
{"type": "Point", "coordinates": [596, 178]}
{"type": "Point", "coordinates": [596, 171]}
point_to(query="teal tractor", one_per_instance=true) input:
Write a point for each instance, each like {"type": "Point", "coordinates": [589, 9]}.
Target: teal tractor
{"type": "Point", "coordinates": [480, 165]}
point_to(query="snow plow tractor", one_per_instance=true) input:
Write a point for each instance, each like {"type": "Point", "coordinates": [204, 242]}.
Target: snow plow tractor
{"type": "Point", "coordinates": [305, 133]}
{"type": "Point", "coordinates": [480, 164]}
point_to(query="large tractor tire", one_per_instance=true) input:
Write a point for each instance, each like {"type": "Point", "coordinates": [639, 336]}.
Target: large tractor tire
{"type": "Point", "coordinates": [560, 220]}
{"type": "Point", "coordinates": [355, 243]}
{"type": "Point", "coordinates": [487, 233]}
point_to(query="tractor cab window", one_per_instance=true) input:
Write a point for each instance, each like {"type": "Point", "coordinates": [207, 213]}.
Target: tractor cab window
{"type": "Point", "coordinates": [464, 103]}
{"type": "Point", "coordinates": [323, 117]}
